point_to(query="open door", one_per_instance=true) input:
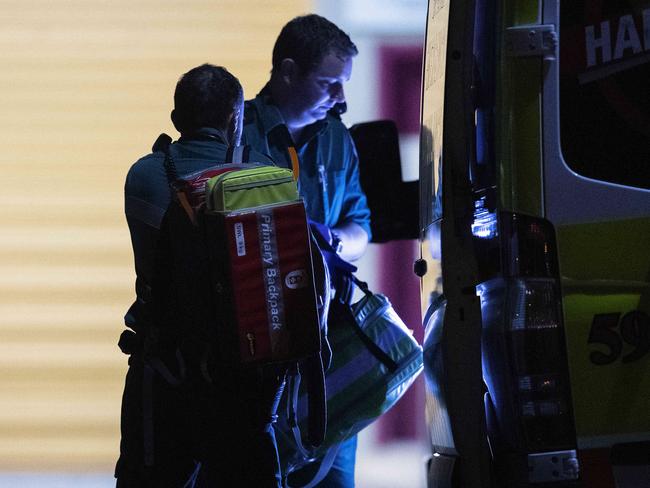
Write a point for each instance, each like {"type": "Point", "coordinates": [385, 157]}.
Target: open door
{"type": "Point", "coordinates": [393, 202]}
{"type": "Point", "coordinates": [453, 376]}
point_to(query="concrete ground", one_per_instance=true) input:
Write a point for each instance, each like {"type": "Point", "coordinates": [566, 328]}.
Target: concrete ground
{"type": "Point", "coordinates": [394, 465]}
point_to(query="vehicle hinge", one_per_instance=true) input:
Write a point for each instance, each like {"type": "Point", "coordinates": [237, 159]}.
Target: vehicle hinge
{"type": "Point", "coordinates": [532, 40]}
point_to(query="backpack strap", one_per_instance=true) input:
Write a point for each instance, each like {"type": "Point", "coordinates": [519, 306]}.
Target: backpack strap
{"type": "Point", "coordinates": [326, 463]}
{"type": "Point", "coordinates": [238, 154]}
{"type": "Point", "coordinates": [314, 373]}
{"type": "Point", "coordinates": [295, 162]}
{"type": "Point", "coordinates": [293, 390]}
{"type": "Point", "coordinates": [317, 416]}
{"type": "Point", "coordinates": [316, 402]}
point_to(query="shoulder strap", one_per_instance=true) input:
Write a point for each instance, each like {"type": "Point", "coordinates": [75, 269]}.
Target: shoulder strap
{"type": "Point", "coordinates": [293, 390]}
{"type": "Point", "coordinates": [314, 372]}
{"type": "Point", "coordinates": [326, 463]}
{"type": "Point", "coordinates": [317, 415]}
{"type": "Point", "coordinates": [238, 154]}
{"type": "Point", "coordinates": [312, 368]}
{"type": "Point", "coordinates": [295, 162]}
{"type": "Point", "coordinates": [373, 348]}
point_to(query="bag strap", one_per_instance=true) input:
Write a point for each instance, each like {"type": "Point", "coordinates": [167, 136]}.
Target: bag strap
{"type": "Point", "coordinates": [316, 399]}
{"type": "Point", "coordinates": [238, 154]}
{"type": "Point", "coordinates": [295, 162]}
{"type": "Point", "coordinates": [374, 349]}
{"type": "Point", "coordinates": [314, 372]}
{"type": "Point", "coordinates": [325, 465]}
{"type": "Point", "coordinates": [293, 388]}
{"type": "Point", "coordinates": [293, 391]}
{"type": "Point", "coordinates": [344, 297]}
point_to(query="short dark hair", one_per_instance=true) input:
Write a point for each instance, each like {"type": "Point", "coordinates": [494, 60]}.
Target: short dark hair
{"type": "Point", "coordinates": [308, 39]}
{"type": "Point", "coordinates": [206, 96]}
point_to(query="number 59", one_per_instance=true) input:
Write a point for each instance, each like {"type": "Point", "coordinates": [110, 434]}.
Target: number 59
{"type": "Point", "coordinates": [634, 329]}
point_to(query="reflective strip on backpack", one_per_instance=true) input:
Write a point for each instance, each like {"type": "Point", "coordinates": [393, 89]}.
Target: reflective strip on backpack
{"type": "Point", "coordinates": [238, 154]}
{"type": "Point", "coordinates": [272, 281]}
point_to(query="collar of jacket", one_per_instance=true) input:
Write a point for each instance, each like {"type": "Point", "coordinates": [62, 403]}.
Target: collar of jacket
{"type": "Point", "coordinates": [204, 134]}
{"type": "Point", "coordinates": [271, 117]}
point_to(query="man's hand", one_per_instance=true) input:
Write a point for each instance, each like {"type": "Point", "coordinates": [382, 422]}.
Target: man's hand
{"type": "Point", "coordinates": [353, 240]}
{"type": "Point", "coordinates": [348, 240]}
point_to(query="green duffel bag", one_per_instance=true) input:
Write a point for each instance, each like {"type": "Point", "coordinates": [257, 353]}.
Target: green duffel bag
{"type": "Point", "coordinates": [375, 359]}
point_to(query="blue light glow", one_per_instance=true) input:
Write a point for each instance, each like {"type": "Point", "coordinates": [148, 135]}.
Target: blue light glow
{"type": "Point", "coordinates": [485, 222]}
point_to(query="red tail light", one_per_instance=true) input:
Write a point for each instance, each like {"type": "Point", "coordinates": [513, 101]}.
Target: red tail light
{"type": "Point", "coordinates": [524, 360]}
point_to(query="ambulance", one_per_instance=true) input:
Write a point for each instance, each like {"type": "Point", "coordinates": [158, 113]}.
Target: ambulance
{"type": "Point", "coordinates": [535, 243]}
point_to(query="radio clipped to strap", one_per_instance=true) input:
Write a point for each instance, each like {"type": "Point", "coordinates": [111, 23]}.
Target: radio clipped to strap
{"type": "Point", "coordinates": [177, 185]}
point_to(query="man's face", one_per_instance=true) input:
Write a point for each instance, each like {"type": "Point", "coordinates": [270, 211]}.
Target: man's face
{"type": "Point", "coordinates": [316, 92]}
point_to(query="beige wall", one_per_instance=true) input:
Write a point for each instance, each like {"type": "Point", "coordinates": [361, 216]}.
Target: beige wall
{"type": "Point", "coordinates": [85, 88]}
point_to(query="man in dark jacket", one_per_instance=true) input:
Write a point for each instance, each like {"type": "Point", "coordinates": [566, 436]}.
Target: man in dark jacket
{"type": "Point", "coordinates": [291, 120]}
{"type": "Point", "coordinates": [170, 427]}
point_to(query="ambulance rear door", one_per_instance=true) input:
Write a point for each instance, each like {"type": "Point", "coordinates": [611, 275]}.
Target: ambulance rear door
{"type": "Point", "coordinates": [596, 139]}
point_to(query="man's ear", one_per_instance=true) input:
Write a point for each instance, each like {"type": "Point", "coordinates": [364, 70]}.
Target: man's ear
{"type": "Point", "coordinates": [174, 117]}
{"type": "Point", "coordinates": [288, 70]}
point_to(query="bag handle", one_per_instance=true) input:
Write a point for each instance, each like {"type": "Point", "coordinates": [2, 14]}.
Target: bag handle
{"type": "Point", "coordinates": [344, 296]}
{"type": "Point", "coordinates": [374, 349]}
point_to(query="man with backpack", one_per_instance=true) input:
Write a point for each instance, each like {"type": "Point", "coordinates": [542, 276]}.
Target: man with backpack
{"type": "Point", "coordinates": [174, 422]}
{"type": "Point", "coordinates": [293, 120]}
